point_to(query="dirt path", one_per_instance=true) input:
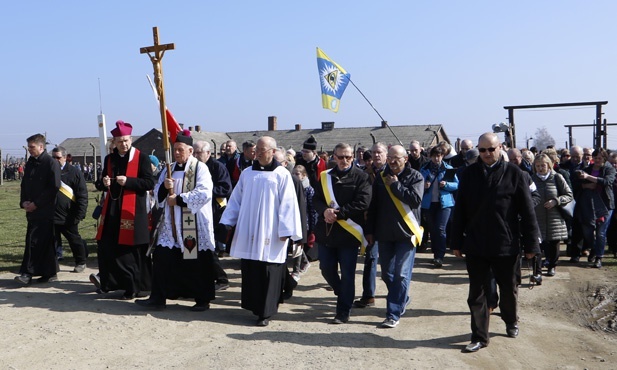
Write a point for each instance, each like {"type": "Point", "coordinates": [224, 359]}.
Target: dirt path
{"type": "Point", "coordinates": [66, 325]}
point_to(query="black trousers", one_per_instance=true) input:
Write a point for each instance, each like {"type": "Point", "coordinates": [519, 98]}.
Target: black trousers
{"type": "Point", "coordinates": [78, 247]}
{"type": "Point", "coordinates": [504, 270]}
{"type": "Point", "coordinates": [39, 253]}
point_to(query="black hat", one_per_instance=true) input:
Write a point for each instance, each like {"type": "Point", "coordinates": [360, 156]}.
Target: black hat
{"type": "Point", "coordinates": [310, 144]}
{"type": "Point", "coordinates": [185, 137]}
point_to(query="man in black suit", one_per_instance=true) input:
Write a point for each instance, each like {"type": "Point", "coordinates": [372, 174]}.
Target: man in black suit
{"type": "Point", "coordinates": [492, 196]}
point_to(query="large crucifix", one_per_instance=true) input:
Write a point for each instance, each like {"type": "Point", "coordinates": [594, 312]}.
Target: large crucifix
{"type": "Point", "coordinates": [156, 53]}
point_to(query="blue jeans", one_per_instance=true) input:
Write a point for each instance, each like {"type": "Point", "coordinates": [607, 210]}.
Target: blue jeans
{"type": "Point", "coordinates": [344, 284]}
{"type": "Point", "coordinates": [438, 221]}
{"type": "Point", "coordinates": [599, 243]}
{"type": "Point", "coordinates": [397, 260]}
{"type": "Point", "coordinates": [369, 274]}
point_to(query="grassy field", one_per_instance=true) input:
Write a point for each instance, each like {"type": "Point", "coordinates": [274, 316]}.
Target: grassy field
{"type": "Point", "coordinates": [13, 227]}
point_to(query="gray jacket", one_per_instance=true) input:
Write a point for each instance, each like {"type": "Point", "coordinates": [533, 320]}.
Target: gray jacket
{"type": "Point", "coordinates": [551, 223]}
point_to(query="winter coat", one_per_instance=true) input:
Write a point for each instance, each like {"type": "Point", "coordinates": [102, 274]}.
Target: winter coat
{"type": "Point", "coordinates": [352, 192]}
{"type": "Point", "coordinates": [494, 213]}
{"type": "Point", "coordinates": [446, 196]}
{"type": "Point", "coordinates": [551, 223]}
{"type": "Point", "coordinates": [69, 212]}
{"type": "Point", "coordinates": [384, 219]}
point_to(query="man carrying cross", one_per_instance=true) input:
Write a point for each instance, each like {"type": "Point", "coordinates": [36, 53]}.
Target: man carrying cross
{"type": "Point", "coordinates": [183, 260]}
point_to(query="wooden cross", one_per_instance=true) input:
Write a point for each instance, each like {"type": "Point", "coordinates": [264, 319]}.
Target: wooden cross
{"type": "Point", "coordinates": [156, 53]}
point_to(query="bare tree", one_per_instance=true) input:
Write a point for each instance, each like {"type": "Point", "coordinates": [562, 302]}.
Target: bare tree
{"type": "Point", "coordinates": [543, 138]}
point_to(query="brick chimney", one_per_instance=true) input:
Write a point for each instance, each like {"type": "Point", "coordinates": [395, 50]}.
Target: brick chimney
{"type": "Point", "coordinates": [198, 128]}
{"type": "Point", "coordinates": [327, 126]}
{"type": "Point", "coordinates": [181, 125]}
{"type": "Point", "coordinates": [272, 123]}
{"type": "Point", "coordinates": [384, 124]}
{"type": "Point", "coordinates": [298, 127]}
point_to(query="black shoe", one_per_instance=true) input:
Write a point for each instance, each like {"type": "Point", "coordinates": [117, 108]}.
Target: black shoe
{"type": "Point", "coordinates": [94, 279]}
{"type": "Point", "coordinates": [200, 307]}
{"type": "Point", "coordinates": [551, 272]}
{"type": "Point", "coordinates": [263, 322]}
{"type": "Point", "coordinates": [437, 262]}
{"type": "Point", "coordinates": [598, 263]}
{"type": "Point", "coordinates": [536, 279]}
{"type": "Point", "coordinates": [23, 279]}
{"type": "Point", "coordinates": [512, 330]}
{"type": "Point", "coordinates": [575, 259]}
{"type": "Point", "coordinates": [127, 296]}
{"type": "Point", "coordinates": [364, 302]}
{"type": "Point", "coordinates": [474, 347]}
{"type": "Point", "coordinates": [150, 304]}
{"type": "Point", "coordinates": [340, 320]}
{"type": "Point", "coordinates": [47, 279]}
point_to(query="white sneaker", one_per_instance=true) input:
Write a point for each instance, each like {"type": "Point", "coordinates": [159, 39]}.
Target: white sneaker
{"type": "Point", "coordinates": [389, 323]}
{"type": "Point", "coordinates": [295, 276]}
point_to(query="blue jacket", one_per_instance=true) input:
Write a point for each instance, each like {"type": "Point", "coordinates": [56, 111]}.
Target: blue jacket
{"type": "Point", "coordinates": [446, 196]}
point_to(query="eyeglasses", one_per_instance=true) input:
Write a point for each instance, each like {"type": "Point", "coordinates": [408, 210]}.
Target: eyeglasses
{"type": "Point", "coordinates": [390, 158]}
{"type": "Point", "coordinates": [483, 150]}
{"type": "Point", "coordinates": [344, 157]}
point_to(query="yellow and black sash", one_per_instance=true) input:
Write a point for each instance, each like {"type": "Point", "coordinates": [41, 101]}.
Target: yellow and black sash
{"type": "Point", "coordinates": [407, 214]}
{"type": "Point", "coordinates": [349, 225]}
{"type": "Point", "coordinates": [67, 191]}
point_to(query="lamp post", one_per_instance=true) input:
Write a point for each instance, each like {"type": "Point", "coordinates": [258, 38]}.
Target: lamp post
{"type": "Point", "coordinates": [527, 140]}
{"type": "Point", "coordinates": [94, 161]}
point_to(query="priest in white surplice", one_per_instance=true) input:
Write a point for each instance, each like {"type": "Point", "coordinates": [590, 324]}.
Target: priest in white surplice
{"type": "Point", "coordinates": [183, 263]}
{"type": "Point", "coordinates": [264, 209]}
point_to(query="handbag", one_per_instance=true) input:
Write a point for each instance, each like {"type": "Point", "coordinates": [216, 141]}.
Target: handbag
{"type": "Point", "coordinates": [567, 210]}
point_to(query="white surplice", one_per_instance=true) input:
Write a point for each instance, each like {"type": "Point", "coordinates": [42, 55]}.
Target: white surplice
{"type": "Point", "coordinates": [263, 207]}
{"type": "Point", "coordinates": [199, 202]}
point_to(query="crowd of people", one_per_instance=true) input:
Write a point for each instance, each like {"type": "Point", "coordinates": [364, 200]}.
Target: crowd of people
{"type": "Point", "coordinates": [163, 229]}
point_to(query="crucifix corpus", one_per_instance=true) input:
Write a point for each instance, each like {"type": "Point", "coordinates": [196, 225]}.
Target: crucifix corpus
{"type": "Point", "coordinates": [156, 53]}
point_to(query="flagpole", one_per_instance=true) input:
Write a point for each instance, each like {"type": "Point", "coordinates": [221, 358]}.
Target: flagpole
{"type": "Point", "coordinates": [371, 104]}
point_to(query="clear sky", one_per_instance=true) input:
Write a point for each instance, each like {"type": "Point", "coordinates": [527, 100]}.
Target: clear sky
{"type": "Point", "coordinates": [455, 63]}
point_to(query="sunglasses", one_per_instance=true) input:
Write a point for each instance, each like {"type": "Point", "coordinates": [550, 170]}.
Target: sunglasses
{"type": "Point", "coordinates": [57, 157]}
{"type": "Point", "coordinates": [483, 150]}
{"type": "Point", "coordinates": [347, 157]}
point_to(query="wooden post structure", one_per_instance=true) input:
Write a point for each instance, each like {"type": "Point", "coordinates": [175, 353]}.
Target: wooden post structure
{"type": "Point", "coordinates": [156, 53]}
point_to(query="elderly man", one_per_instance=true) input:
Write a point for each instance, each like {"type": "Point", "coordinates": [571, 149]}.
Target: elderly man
{"type": "Point", "coordinates": [183, 256]}
{"type": "Point", "coordinates": [459, 159]}
{"type": "Point", "coordinates": [341, 200]}
{"type": "Point", "coordinates": [371, 255]}
{"type": "Point", "coordinates": [221, 190]}
{"type": "Point", "coordinates": [493, 211]}
{"type": "Point", "coordinates": [39, 187]}
{"type": "Point", "coordinates": [264, 209]}
{"type": "Point", "coordinates": [416, 158]}
{"type": "Point", "coordinates": [231, 152]}
{"type": "Point", "coordinates": [123, 234]}
{"type": "Point", "coordinates": [244, 161]}
{"type": "Point", "coordinates": [393, 221]}
{"type": "Point", "coordinates": [71, 207]}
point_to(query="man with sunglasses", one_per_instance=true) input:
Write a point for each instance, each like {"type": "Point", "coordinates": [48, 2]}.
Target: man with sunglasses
{"type": "Point", "coordinates": [342, 196]}
{"type": "Point", "coordinates": [494, 209]}
{"type": "Point", "coordinates": [71, 207]}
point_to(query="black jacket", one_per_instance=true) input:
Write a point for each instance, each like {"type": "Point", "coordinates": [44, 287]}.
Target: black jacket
{"type": "Point", "coordinates": [353, 195]}
{"type": "Point", "coordinates": [384, 220]}
{"type": "Point", "coordinates": [605, 179]}
{"type": "Point", "coordinates": [486, 216]}
{"type": "Point", "coordinates": [221, 183]}
{"type": "Point", "coordinates": [67, 211]}
{"type": "Point", "coordinates": [40, 185]}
